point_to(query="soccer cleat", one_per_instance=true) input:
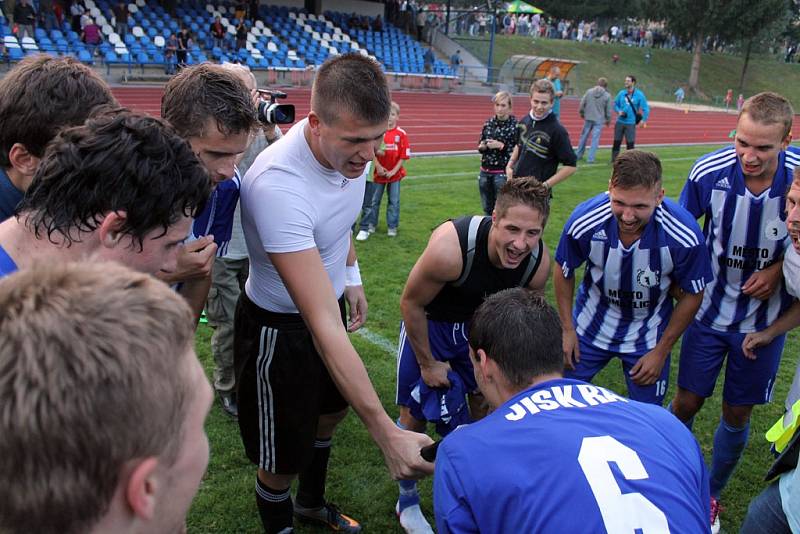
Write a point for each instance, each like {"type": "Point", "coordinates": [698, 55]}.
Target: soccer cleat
{"type": "Point", "coordinates": [228, 401]}
{"type": "Point", "coordinates": [328, 515]}
{"type": "Point", "coordinates": [363, 235]}
{"type": "Point", "coordinates": [716, 508]}
{"type": "Point", "coordinates": [392, 232]}
{"type": "Point", "coordinates": [413, 520]}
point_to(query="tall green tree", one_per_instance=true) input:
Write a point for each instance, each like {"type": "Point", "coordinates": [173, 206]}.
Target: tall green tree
{"type": "Point", "coordinates": [590, 9]}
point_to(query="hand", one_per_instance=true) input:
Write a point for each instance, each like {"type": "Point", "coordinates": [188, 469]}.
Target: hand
{"type": "Point", "coordinates": [357, 307]}
{"type": "Point", "coordinates": [434, 374]}
{"type": "Point", "coordinates": [647, 369]}
{"type": "Point", "coordinates": [762, 284]}
{"type": "Point", "coordinates": [402, 457]}
{"type": "Point", "coordinates": [643, 124]}
{"type": "Point", "coordinates": [195, 260]}
{"type": "Point", "coordinates": [623, 113]}
{"type": "Point", "coordinates": [572, 351]}
{"type": "Point", "coordinates": [752, 341]}
{"type": "Point", "coordinates": [509, 172]}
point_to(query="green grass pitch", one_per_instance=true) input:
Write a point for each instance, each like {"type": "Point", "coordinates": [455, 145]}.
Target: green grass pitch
{"type": "Point", "coordinates": [437, 189]}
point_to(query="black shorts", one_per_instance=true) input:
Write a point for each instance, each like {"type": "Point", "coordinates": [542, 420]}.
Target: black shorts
{"type": "Point", "coordinates": [283, 387]}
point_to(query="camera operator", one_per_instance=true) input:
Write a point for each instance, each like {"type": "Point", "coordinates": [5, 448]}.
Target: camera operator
{"type": "Point", "coordinates": [229, 272]}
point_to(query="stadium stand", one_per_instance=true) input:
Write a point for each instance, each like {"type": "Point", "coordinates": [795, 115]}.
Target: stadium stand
{"type": "Point", "coordinates": [284, 38]}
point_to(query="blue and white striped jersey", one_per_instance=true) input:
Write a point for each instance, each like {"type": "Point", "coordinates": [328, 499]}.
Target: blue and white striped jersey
{"type": "Point", "coordinates": [623, 304]}
{"type": "Point", "coordinates": [217, 217]}
{"type": "Point", "coordinates": [744, 233]}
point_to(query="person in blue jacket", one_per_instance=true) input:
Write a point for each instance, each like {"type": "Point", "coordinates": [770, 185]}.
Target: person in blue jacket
{"type": "Point", "coordinates": [632, 110]}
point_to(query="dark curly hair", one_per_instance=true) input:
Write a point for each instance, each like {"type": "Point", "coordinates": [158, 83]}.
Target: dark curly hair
{"type": "Point", "coordinates": [117, 161]}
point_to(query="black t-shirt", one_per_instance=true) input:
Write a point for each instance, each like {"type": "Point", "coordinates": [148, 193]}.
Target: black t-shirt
{"type": "Point", "coordinates": [542, 146]}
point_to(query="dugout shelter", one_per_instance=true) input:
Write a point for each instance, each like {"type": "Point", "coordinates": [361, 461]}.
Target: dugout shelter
{"type": "Point", "coordinates": [519, 72]}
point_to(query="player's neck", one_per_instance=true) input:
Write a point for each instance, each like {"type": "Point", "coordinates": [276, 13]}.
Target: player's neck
{"type": "Point", "coordinates": [508, 392]}
{"type": "Point", "coordinates": [758, 184]}
{"type": "Point", "coordinates": [26, 249]}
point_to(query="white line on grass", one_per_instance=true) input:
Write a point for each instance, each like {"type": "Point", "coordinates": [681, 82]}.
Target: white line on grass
{"type": "Point", "coordinates": [378, 340]}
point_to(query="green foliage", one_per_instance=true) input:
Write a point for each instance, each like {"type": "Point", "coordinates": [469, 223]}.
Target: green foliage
{"type": "Point", "coordinates": [436, 189]}
{"type": "Point", "coordinates": [590, 9]}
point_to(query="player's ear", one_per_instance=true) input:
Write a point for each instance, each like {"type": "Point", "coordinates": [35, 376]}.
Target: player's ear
{"type": "Point", "coordinates": [112, 227]}
{"type": "Point", "coordinates": [23, 162]}
{"type": "Point", "coordinates": [786, 141]}
{"type": "Point", "coordinates": [141, 487]}
{"type": "Point", "coordinates": [314, 122]}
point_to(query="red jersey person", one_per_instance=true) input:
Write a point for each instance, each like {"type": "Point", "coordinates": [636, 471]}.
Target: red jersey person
{"type": "Point", "coordinates": [388, 172]}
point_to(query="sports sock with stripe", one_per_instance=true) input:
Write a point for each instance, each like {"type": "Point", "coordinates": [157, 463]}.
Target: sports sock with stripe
{"type": "Point", "coordinates": [274, 507]}
{"type": "Point", "coordinates": [409, 495]}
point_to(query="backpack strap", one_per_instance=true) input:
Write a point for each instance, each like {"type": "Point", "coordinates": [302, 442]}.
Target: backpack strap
{"type": "Point", "coordinates": [472, 235]}
{"type": "Point", "coordinates": [533, 265]}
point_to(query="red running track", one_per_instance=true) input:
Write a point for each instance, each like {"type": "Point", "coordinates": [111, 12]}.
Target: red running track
{"type": "Point", "coordinates": [448, 122]}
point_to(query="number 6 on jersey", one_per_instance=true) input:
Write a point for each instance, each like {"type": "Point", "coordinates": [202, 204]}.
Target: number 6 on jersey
{"type": "Point", "coordinates": [622, 512]}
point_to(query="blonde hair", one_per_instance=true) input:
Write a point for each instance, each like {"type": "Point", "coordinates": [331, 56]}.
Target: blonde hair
{"type": "Point", "coordinates": [94, 374]}
{"type": "Point", "coordinates": [503, 95]}
{"type": "Point", "coordinates": [396, 107]}
{"type": "Point", "coordinates": [769, 108]}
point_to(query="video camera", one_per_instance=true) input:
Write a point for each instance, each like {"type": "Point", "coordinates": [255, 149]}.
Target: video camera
{"type": "Point", "coordinates": [270, 112]}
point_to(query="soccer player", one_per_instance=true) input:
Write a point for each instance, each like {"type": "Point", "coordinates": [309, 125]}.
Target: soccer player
{"type": "Point", "coordinates": [212, 108]}
{"type": "Point", "coordinates": [620, 465]}
{"type": "Point", "coordinates": [637, 245]}
{"type": "Point", "coordinates": [39, 97]}
{"type": "Point", "coordinates": [104, 401]}
{"type": "Point", "coordinates": [297, 368]}
{"type": "Point", "coordinates": [632, 109]}
{"type": "Point", "coordinates": [739, 190]}
{"type": "Point", "coordinates": [466, 259]}
{"type": "Point", "coordinates": [122, 187]}
{"type": "Point", "coordinates": [542, 142]}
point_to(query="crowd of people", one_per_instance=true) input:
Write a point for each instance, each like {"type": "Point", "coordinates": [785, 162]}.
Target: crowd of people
{"type": "Point", "coordinates": [118, 229]}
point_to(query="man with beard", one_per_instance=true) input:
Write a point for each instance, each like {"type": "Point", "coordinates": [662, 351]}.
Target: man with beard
{"type": "Point", "coordinates": [637, 246]}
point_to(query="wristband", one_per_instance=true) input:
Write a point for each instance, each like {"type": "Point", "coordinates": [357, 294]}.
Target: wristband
{"type": "Point", "coordinates": [352, 275]}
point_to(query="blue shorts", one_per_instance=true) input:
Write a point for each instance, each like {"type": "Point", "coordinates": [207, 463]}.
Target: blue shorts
{"type": "Point", "coordinates": [593, 360]}
{"type": "Point", "coordinates": [747, 382]}
{"type": "Point", "coordinates": [448, 344]}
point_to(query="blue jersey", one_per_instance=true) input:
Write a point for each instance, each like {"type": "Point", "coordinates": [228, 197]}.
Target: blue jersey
{"type": "Point", "coordinates": [743, 232]}
{"type": "Point", "coordinates": [567, 456]}
{"type": "Point", "coordinates": [7, 265]}
{"type": "Point", "coordinates": [623, 304]}
{"type": "Point", "coordinates": [622, 105]}
{"type": "Point", "coordinates": [217, 217]}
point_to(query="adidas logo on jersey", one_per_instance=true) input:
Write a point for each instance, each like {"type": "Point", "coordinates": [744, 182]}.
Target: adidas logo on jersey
{"type": "Point", "coordinates": [723, 183]}
{"type": "Point", "coordinates": [600, 235]}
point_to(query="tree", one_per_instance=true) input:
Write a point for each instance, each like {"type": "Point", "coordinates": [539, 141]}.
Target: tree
{"type": "Point", "coordinates": [590, 9]}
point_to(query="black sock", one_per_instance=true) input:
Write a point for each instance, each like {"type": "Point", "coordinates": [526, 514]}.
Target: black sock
{"type": "Point", "coordinates": [311, 486]}
{"type": "Point", "coordinates": [274, 507]}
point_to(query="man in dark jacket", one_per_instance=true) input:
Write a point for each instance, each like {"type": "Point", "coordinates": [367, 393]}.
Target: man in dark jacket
{"type": "Point", "coordinates": [595, 111]}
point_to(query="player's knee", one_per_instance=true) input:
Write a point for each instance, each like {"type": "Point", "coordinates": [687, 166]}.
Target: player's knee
{"type": "Point", "coordinates": [686, 404]}
{"type": "Point", "coordinates": [277, 482]}
{"type": "Point", "coordinates": [736, 416]}
{"type": "Point", "coordinates": [327, 422]}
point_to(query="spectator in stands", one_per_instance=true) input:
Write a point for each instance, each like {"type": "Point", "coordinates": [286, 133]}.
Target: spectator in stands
{"type": "Point", "coordinates": [120, 10]}
{"type": "Point", "coordinates": [680, 94]}
{"type": "Point", "coordinates": [47, 17]}
{"type": "Point", "coordinates": [86, 17]}
{"type": "Point", "coordinates": [429, 59]}
{"type": "Point", "coordinates": [184, 42]}
{"type": "Point", "coordinates": [377, 24]}
{"type": "Point", "coordinates": [112, 440]}
{"type": "Point", "coordinates": [39, 97]}
{"type": "Point", "coordinates": [420, 25]}
{"type": "Point", "coordinates": [24, 18]}
{"type": "Point", "coordinates": [253, 11]}
{"type": "Point", "coordinates": [217, 31]}
{"type": "Point", "coordinates": [241, 35]}
{"type": "Point", "coordinates": [75, 13]}
{"type": "Point", "coordinates": [240, 10]}
{"type": "Point", "coordinates": [92, 36]}
{"type": "Point", "coordinates": [170, 58]}
{"type": "Point", "coordinates": [455, 61]}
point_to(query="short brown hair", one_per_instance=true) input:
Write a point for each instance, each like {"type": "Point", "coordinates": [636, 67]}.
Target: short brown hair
{"type": "Point", "coordinates": [525, 190]}
{"type": "Point", "coordinates": [602, 82]}
{"type": "Point", "coordinates": [769, 108]}
{"type": "Point", "coordinates": [636, 168]}
{"type": "Point", "coordinates": [543, 86]}
{"type": "Point", "coordinates": [94, 374]}
{"type": "Point", "coordinates": [44, 94]}
{"type": "Point", "coordinates": [207, 91]}
{"type": "Point", "coordinates": [351, 84]}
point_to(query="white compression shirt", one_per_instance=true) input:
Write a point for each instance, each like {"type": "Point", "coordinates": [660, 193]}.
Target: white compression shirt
{"type": "Point", "coordinates": [290, 202]}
